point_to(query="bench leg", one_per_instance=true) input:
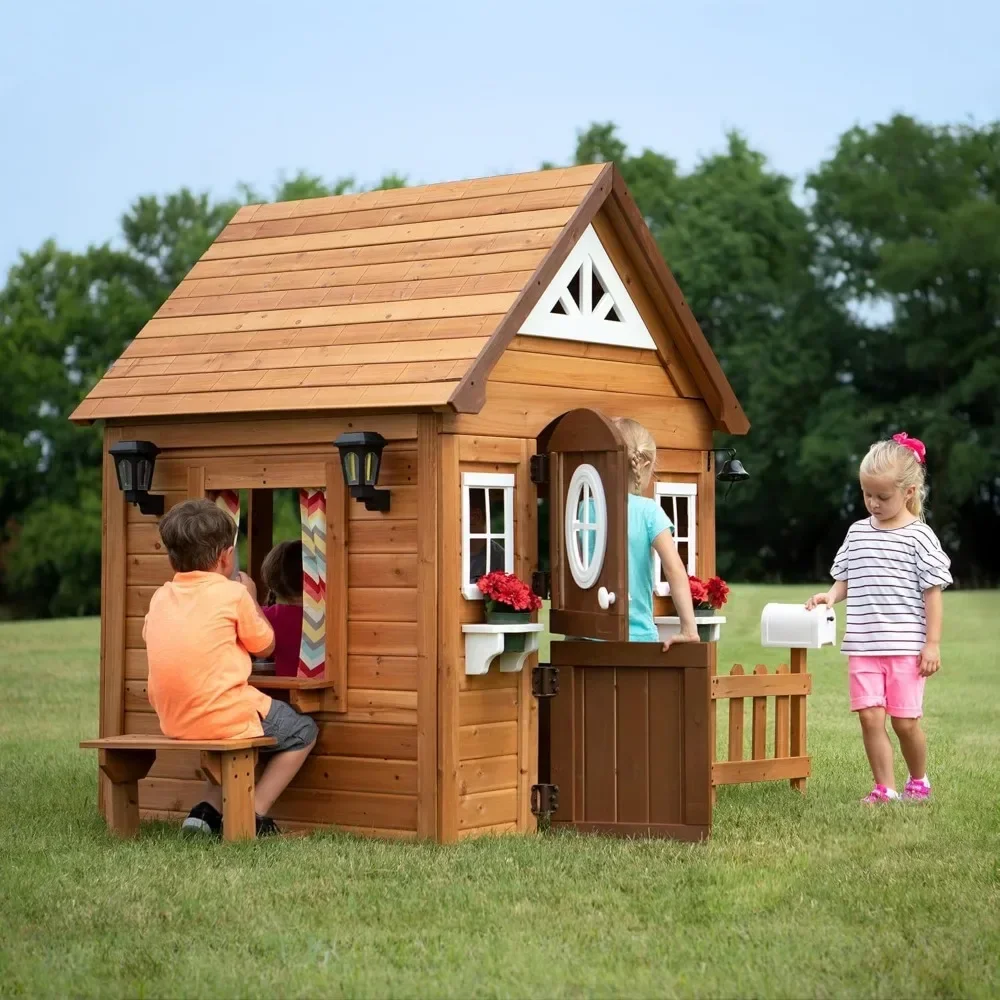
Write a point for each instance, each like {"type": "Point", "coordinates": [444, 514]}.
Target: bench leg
{"type": "Point", "coordinates": [238, 817]}
{"type": "Point", "coordinates": [124, 769]}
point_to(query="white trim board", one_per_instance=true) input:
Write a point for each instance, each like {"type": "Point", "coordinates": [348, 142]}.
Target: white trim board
{"type": "Point", "coordinates": [577, 316]}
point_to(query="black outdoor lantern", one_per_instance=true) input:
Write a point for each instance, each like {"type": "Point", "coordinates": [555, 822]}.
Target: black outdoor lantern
{"type": "Point", "coordinates": [134, 461]}
{"type": "Point", "coordinates": [360, 461]}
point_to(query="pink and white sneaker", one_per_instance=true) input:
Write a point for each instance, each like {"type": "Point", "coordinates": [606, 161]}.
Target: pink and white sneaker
{"type": "Point", "coordinates": [917, 790]}
{"type": "Point", "coordinates": [880, 795]}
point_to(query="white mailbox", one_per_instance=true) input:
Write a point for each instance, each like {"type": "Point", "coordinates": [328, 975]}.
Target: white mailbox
{"type": "Point", "coordinates": [793, 627]}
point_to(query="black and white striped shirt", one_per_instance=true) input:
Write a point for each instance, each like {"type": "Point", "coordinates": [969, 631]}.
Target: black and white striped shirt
{"type": "Point", "coordinates": [887, 572]}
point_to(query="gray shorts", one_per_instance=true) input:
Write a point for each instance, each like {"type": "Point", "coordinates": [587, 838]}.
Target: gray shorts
{"type": "Point", "coordinates": [291, 729]}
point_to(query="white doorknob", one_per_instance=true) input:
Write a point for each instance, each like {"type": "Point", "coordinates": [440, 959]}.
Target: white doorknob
{"type": "Point", "coordinates": [605, 599]}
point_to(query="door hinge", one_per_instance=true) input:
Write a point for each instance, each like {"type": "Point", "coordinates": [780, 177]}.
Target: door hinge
{"type": "Point", "coordinates": [541, 584]}
{"type": "Point", "coordinates": [544, 799]}
{"type": "Point", "coordinates": [539, 469]}
{"type": "Point", "coordinates": [545, 681]}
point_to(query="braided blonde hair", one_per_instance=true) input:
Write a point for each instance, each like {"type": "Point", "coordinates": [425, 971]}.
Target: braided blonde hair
{"type": "Point", "coordinates": [641, 451]}
{"type": "Point", "coordinates": [885, 457]}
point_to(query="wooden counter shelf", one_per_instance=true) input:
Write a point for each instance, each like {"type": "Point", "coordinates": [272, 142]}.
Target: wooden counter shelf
{"type": "Point", "coordinates": [304, 693]}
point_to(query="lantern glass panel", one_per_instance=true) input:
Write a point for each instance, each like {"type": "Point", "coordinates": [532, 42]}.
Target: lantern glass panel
{"type": "Point", "coordinates": [144, 474]}
{"type": "Point", "coordinates": [371, 468]}
{"type": "Point", "coordinates": [351, 468]}
{"type": "Point", "coordinates": [126, 480]}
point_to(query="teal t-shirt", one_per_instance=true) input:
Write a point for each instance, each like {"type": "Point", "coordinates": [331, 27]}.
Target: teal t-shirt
{"type": "Point", "coordinates": [646, 520]}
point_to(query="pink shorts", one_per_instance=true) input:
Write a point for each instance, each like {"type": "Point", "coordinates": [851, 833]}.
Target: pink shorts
{"type": "Point", "coordinates": [890, 682]}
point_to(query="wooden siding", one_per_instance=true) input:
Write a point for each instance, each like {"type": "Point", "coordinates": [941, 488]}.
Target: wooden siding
{"type": "Point", "coordinates": [364, 773]}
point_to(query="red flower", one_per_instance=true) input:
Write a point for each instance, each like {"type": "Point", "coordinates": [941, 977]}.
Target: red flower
{"type": "Point", "coordinates": [698, 592]}
{"type": "Point", "coordinates": [718, 592]}
{"type": "Point", "coordinates": [508, 590]}
{"type": "Point", "coordinates": [708, 594]}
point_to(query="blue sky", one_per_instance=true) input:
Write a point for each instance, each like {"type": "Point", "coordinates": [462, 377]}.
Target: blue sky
{"type": "Point", "coordinates": [106, 100]}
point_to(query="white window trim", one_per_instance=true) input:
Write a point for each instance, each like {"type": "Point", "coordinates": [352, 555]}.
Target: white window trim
{"type": "Point", "coordinates": [585, 479]}
{"type": "Point", "coordinates": [487, 480]}
{"type": "Point", "coordinates": [690, 492]}
{"type": "Point", "coordinates": [588, 324]}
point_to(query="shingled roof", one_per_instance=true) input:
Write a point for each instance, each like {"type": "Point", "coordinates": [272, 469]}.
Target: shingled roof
{"type": "Point", "coordinates": [392, 299]}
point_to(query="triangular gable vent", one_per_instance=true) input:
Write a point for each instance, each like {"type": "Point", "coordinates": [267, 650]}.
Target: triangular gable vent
{"type": "Point", "coordinates": [587, 301]}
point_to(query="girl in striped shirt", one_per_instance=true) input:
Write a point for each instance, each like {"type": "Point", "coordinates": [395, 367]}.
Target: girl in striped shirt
{"type": "Point", "coordinates": [891, 569]}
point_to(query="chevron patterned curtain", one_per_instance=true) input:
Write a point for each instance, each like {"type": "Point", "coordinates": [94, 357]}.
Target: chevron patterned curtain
{"type": "Point", "coordinates": [312, 652]}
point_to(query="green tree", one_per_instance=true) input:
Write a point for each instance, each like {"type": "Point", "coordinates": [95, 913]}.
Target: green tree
{"type": "Point", "coordinates": [908, 222]}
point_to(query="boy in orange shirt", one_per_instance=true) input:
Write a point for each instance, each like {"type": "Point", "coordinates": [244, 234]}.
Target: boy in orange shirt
{"type": "Point", "coordinates": [201, 628]}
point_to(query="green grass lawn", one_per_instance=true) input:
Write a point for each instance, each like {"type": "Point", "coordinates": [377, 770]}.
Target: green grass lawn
{"type": "Point", "coordinates": [792, 897]}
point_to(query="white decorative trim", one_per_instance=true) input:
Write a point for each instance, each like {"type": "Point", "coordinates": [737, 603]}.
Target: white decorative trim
{"type": "Point", "coordinates": [586, 486]}
{"type": "Point", "coordinates": [487, 481]}
{"type": "Point", "coordinates": [587, 320]}
{"type": "Point", "coordinates": [485, 643]}
{"type": "Point", "coordinates": [681, 492]}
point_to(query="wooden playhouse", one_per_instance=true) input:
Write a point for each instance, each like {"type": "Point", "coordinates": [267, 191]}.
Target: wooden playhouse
{"type": "Point", "coordinates": [472, 325]}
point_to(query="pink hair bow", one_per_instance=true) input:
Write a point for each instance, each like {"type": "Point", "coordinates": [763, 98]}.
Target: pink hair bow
{"type": "Point", "coordinates": [915, 445]}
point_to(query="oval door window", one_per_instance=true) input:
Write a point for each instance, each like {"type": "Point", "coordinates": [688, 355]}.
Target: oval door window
{"type": "Point", "coordinates": [586, 526]}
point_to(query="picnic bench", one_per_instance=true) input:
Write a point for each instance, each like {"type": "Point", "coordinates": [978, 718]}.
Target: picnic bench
{"type": "Point", "coordinates": [125, 760]}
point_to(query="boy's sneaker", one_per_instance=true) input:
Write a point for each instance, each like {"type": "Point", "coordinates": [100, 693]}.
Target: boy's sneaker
{"type": "Point", "coordinates": [203, 818]}
{"type": "Point", "coordinates": [917, 790]}
{"type": "Point", "coordinates": [266, 827]}
{"type": "Point", "coordinates": [879, 795]}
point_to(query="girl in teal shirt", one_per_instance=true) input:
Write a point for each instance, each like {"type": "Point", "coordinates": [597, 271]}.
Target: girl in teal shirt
{"type": "Point", "coordinates": [650, 529]}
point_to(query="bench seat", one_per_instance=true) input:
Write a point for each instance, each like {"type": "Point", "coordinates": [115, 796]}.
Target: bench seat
{"type": "Point", "coordinates": [126, 760]}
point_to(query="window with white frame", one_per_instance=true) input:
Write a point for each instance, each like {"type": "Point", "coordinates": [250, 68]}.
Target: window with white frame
{"type": "Point", "coordinates": [680, 503]}
{"type": "Point", "coordinates": [487, 527]}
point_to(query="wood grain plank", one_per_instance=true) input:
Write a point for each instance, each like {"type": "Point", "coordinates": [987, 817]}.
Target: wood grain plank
{"type": "Point", "coordinates": [111, 721]}
{"type": "Point", "coordinates": [153, 350]}
{"type": "Point", "coordinates": [380, 604]}
{"type": "Point", "coordinates": [450, 664]}
{"type": "Point", "coordinates": [487, 808]}
{"type": "Point", "coordinates": [429, 193]}
{"type": "Point", "coordinates": [469, 247]}
{"type": "Point", "coordinates": [578, 349]}
{"type": "Point", "coordinates": [362, 274]}
{"type": "Point", "coordinates": [260, 401]}
{"type": "Point", "coordinates": [797, 727]}
{"type": "Point", "coordinates": [425, 611]}
{"type": "Point", "coordinates": [666, 735]}
{"type": "Point", "coordinates": [525, 411]}
{"type": "Point", "coordinates": [326, 216]}
{"type": "Point", "coordinates": [200, 439]}
{"type": "Point", "coordinates": [358, 739]}
{"type": "Point", "coordinates": [296, 360]}
{"type": "Point", "coordinates": [382, 638]}
{"type": "Point", "coordinates": [448, 307]}
{"type": "Point", "coordinates": [398, 673]}
{"type": "Point", "coordinates": [488, 705]}
{"type": "Point", "coordinates": [416, 232]}
{"type": "Point", "coordinates": [526, 561]}
{"type": "Point", "coordinates": [632, 745]}
{"type": "Point", "coordinates": [358, 774]}
{"type": "Point", "coordinates": [337, 582]}
{"type": "Point", "coordinates": [487, 774]}
{"type": "Point", "coordinates": [319, 806]}
{"type": "Point", "coordinates": [527, 368]}
{"type": "Point", "coordinates": [495, 739]}
{"type": "Point", "coordinates": [379, 706]}
{"type": "Point", "coordinates": [302, 298]}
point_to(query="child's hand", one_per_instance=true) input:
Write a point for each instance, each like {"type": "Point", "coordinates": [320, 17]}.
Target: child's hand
{"type": "Point", "coordinates": [249, 584]}
{"type": "Point", "coordinates": [930, 659]}
{"type": "Point", "coordinates": [681, 637]}
{"type": "Point", "coordinates": [817, 599]}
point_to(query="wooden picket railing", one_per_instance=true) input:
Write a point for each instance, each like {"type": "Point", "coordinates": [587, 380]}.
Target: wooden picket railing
{"type": "Point", "coordinates": [789, 689]}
